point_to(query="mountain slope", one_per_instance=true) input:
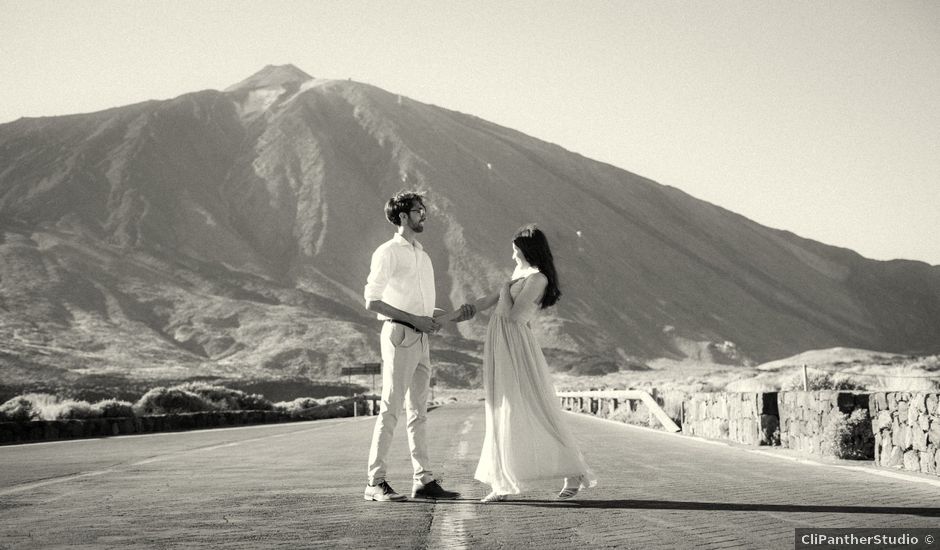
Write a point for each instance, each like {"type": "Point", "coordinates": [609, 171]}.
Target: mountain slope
{"type": "Point", "coordinates": [229, 233]}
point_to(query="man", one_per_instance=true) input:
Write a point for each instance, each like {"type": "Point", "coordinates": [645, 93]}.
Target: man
{"type": "Point", "coordinates": [400, 290]}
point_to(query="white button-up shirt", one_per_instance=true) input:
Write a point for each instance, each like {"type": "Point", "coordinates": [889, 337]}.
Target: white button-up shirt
{"type": "Point", "coordinates": [402, 276]}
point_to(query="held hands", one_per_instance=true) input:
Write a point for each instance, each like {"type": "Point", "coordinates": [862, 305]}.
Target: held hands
{"type": "Point", "coordinates": [426, 324]}
{"type": "Point", "coordinates": [463, 313]}
{"type": "Point", "coordinates": [467, 311]}
{"type": "Point", "coordinates": [431, 325]}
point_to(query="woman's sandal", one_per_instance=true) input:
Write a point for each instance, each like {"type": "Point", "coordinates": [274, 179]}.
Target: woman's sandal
{"type": "Point", "coordinates": [493, 497]}
{"type": "Point", "coordinates": [568, 493]}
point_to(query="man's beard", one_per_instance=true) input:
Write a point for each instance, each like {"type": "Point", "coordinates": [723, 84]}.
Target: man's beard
{"type": "Point", "coordinates": [416, 227]}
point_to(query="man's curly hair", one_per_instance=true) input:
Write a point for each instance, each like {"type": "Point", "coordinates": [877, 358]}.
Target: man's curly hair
{"type": "Point", "coordinates": [401, 204]}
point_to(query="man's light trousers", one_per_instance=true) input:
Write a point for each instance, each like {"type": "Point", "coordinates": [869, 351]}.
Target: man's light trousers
{"type": "Point", "coordinates": [406, 377]}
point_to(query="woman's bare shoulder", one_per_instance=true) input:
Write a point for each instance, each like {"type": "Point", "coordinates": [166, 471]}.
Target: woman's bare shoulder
{"type": "Point", "coordinates": [537, 279]}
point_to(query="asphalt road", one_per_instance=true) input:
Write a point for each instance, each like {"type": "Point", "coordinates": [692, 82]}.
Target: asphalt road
{"type": "Point", "coordinates": [300, 486]}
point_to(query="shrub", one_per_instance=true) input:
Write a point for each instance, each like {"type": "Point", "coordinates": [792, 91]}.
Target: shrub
{"type": "Point", "coordinates": [112, 408]}
{"type": "Point", "coordinates": [41, 400]}
{"type": "Point", "coordinates": [846, 436]}
{"type": "Point", "coordinates": [635, 366]}
{"type": "Point", "coordinates": [820, 381]}
{"type": "Point", "coordinates": [297, 405]}
{"type": "Point", "coordinates": [70, 409]}
{"type": "Point", "coordinates": [598, 367]}
{"type": "Point", "coordinates": [312, 409]}
{"type": "Point", "coordinates": [332, 399]}
{"type": "Point", "coordinates": [907, 383]}
{"type": "Point", "coordinates": [162, 400]}
{"type": "Point", "coordinates": [753, 385]}
{"type": "Point", "coordinates": [227, 399]}
{"type": "Point", "coordinates": [43, 406]}
{"type": "Point", "coordinates": [18, 409]}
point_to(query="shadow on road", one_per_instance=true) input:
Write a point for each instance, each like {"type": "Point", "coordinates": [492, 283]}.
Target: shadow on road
{"type": "Point", "coordinates": [710, 506]}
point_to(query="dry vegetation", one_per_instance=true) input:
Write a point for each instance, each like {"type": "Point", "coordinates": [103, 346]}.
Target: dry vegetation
{"type": "Point", "coordinates": [836, 368]}
{"type": "Point", "coordinates": [191, 397]}
{"type": "Point", "coordinates": [457, 379]}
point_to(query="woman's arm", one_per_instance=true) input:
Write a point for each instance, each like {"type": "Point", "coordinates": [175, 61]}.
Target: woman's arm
{"type": "Point", "coordinates": [529, 298]}
{"type": "Point", "coordinates": [486, 302]}
{"type": "Point", "coordinates": [479, 305]}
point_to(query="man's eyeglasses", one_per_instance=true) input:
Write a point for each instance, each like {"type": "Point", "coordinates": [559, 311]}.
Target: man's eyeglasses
{"type": "Point", "coordinates": [421, 211]}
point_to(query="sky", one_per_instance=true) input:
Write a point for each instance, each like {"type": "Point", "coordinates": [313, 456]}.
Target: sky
{"type": "Point", "coordinates": [818, 117]}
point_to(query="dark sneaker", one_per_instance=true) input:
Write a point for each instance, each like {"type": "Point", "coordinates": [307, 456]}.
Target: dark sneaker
{"type": "Point", "coordinates": [382, 492]}
{"type": "Point", "coordinates": [432, 489]}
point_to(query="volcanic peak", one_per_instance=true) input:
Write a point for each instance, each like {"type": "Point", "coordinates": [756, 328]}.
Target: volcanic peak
{"type": "Point", "coordinates": [271, 75]}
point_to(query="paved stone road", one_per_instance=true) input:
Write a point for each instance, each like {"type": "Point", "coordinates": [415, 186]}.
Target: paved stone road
{"type": "Point", "coordinates": [300, 486]}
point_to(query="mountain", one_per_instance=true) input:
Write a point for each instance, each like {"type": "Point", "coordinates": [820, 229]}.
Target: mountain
{"type": "Point", "coordinates": [272, 76]}
{"type": "Point", "coordinates": [228, 233]}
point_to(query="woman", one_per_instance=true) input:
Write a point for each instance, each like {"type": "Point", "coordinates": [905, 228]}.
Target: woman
{"type": "Point", "coordinates": [526, 436]}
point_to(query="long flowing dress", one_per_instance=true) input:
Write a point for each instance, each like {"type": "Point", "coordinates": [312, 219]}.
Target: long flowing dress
{"type": "Point", "coordinates": [527, 438]}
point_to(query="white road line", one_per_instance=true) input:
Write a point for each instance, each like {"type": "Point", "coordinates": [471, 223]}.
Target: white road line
{"type": "Point", "coordinates": [801, 460]}
{"type": "Point", "coordinates": [161, 458]}
{"type": "Point", "coordinates": [449, 528]}
{"type": "Point", "coordinates": [883, 473]}
{"type": "Point", "coordinates": [467, 425]}
{"type": "Point", "coordinates": [462, 449]}
{"type": "Point", "coordinates": [30, 486]}
{"type": "Point", "coordinates": [893, 475]}
{"type": "Point", "coordinates": [797, 459]}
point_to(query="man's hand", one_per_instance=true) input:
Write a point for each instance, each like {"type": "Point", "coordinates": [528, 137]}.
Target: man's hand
{"type": "Point", "coordinates": [426, 324]}
{"type": "Point", "coordinates": [467, 311]}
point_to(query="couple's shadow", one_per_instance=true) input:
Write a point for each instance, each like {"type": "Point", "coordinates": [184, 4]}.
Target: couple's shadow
{"type": "Point", "coordinates": [631, 504]}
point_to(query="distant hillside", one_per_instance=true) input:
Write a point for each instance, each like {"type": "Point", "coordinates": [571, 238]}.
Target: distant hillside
{"type": "Point", "coordinates": [229, 233]}
{"type": "Point", "coordinates": [844, 357]}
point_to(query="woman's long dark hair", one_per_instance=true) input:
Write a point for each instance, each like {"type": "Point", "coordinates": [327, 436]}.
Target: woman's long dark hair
{"type": "Point", "coordinates": [534, 247]}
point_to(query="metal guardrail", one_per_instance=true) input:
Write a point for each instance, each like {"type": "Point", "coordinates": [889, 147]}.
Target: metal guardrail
{"type": "Point", "coordinates": [625, 395]}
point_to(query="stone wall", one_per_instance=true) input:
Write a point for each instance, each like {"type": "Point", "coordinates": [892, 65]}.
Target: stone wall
{"type": "Point", "coordinates": [898, 430]}
{"type": "Point", "coordinates": [805, 416]}
{"type": "Point", "coordinates": [907, 431]}
{"type": "Point", "coordinates": [749, 418]}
